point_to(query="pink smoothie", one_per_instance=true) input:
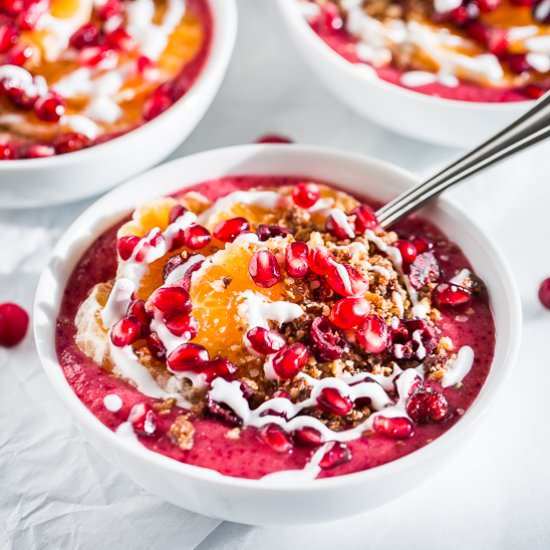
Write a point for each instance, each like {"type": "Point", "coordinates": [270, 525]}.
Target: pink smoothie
{"type": "Point", "coordinates": [248, 456]}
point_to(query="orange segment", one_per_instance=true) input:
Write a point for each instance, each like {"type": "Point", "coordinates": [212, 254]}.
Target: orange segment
{"type": "Point", "coordinates": [153, 214]}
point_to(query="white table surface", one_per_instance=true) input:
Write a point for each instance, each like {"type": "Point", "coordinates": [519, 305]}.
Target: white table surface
{"type": "Point", "coordinates": [57, 492]}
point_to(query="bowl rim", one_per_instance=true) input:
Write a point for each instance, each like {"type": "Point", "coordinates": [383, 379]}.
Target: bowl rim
{"type": "Point", "coordinates": [289, 9]}
{"type": "Point", "coordinates": [45, 335]}
{"type": "Point", "coordinates": [224, 32]}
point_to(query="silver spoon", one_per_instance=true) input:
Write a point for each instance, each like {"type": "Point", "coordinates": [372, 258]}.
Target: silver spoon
{"type": "Point", "coordinates": [530, 128]}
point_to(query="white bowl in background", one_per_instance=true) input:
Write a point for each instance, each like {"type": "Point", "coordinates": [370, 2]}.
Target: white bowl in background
{"type": "Point", "coordinates": [429, 118]}
{"type": "Point", "coordinates": [259, 501]}
{"type": "Point", "coordinates": [64, 178]}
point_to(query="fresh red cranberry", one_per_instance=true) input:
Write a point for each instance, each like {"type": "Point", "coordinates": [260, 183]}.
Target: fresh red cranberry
{"type": "Point", "coordinates": [320, 260]}
{"type": "Point", "coordinates": [336, 455]}
{"type": "Point", "coordinates": [273, 138]}
{"type": "Point", "coordinates": [308, 437]}
{"type": "Point", "coordinates": [365, 218]}
{"type": "Point", "coordinates": [196, 237]}
{"type": "Point", "coordinates": [395, 427]}
{"type": "Point", "coordinates": [120, 39]}
{"type": "Point", "coordinates": [339, 228]}
{"type": "Point", "coordinates": [136, 309]}
{"type": "Point", "coordinates": [487, 6]}
{"type": "Point", "coordinates": [143, 419]}
{"type": "Point", "coordinates": [305, 194]}
{"type": "Point", "coordinates": [544, 293]}
{"type": "Point", "coordinates": [169, 301]}
{"type": "Point", "coordinates": [147, 68]}
{"type": "Point", "coordinates": [7, 151]}
{"type": "Point", "coordinates": [71, 142]}
{"type": "Point", "coordinates": [345, 280]}
{"type": "Point", "coordinates": [125, 332]}
{"type": "Point", "coordinates": [19, 54]}
{"type": "Point", "coordinates": [349, 312]}
{"type": "Point", "coordinates": [264, 269]}
{"type": "Point", "coordinates": [276, 438]}
{"type": "Point", "coordinates": [50, 107]}
{"type": "Point", "coordinates": [296, 259]}
{"type": "Point", "coordinates": [109, 9]}
{"type": "Point", "coordinates": [290, 360]}
{"type": "Point", "coordinates": [424, 270]}
{"type": "Point", "coordinates": [8, 36]}
{"type": "Point", "coordinates": [14, 322]}
{"type": "Point", "coordinates": [187, 356]}
{"type": "Point", "coordinates": [332, 401]}
{"type": "Point", "coordinates": [266, 232]}
{"type": "Point", "coordinates": [451, 295]}
{"type": "Point", "coordinates": [427, 406]}
{"type": "Point", "coordinates": [228, 230]}
{"type": "Point", "coordinates": [216, 368]}
{"type": "Point", "coordinates": [156, 346]}
{"type": "Point", "coordinates": [87, 35]}
{"type": "Point", "coordinates": [372, 335]}
{"type": "Point", "coordinates": [183, 326]}
{"type": "Point", "coordinates": [157, 103]}
{"type": "Point", "coordinates": [39, 150]}
{"type": "Point", "coordinates": [264, 341]}
{"type": "Point", "coordinates": [408, 251]}
{"type": "Point", "coordinates": [326, 340]}
{"type": "Point", "coordinates": [126, 246]}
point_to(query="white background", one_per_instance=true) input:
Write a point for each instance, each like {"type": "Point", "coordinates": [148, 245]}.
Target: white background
{"type": "Point", "coordinates": [58, 492]}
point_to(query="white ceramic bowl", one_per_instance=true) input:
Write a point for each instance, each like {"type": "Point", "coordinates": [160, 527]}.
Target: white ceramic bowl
{"type": "Point", "coordinates": [443, 121]}
{"type": "Point", "coordinates": [64, 178]}
{"type": "Point", "coordinates": [261, 502]}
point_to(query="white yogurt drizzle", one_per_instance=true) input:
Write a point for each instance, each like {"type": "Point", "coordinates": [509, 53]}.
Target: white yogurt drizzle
{"type": "Point", "coordinates": [257, 310]}
{"type": "Point", "coordinates": [460, 367]}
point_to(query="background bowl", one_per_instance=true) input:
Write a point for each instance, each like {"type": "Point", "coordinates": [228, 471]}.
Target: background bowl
{"type": "Point", "coordinates": [443, 121]}
{"type": "Point", "coordinates": [64, 178]}
{"type": "Point", "coordinates": [261, 502]}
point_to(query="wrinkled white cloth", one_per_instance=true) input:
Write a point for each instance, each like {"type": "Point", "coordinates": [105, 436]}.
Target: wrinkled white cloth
{"type": "Point", "coordinates": [56, 491]}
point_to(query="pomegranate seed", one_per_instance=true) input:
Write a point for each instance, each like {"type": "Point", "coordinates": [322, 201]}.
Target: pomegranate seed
{"type": "Point", "coordinates": [8, 36]}
{"type": "Point", "coordinates": [326, 340]}
{"type": "Point", "coordinates": [264, 341]}
{"type": "Point", "coordinates": [306, 194]}
{"type": "Point", "coordinates": [349, 312]}
{"type": "Point", "coordinates": [18, 96]}
{"type": "Point", "coordinates": [395, 427]}
{"type": "Point", "coordinates": [408, 251]}
{"type": "Point", "coordinates": [296, 259]}
{"type": "Point", "coordinates": [518, 63]}
{"type": "Point", "coordinates": [176, 211]}
{"type": "Point", "coordinates": [157, 103]}
{"type": "Point", "coordinates": [169, 301]}
{"type": "Point", "coordinates": [427, 406]}
{"type": "Point", "coordinates": [19, 54]}
{"type": "Point", "coordinates": [331, 17]}
{"type": "Point", "coordinates": [98, 56]}
{"type": "Point", "coordinates": [423, 270]}
{"type": "Point", "coordinates": [12, 7]}
{"type": "Point", "coordinates": [273, 138]}
{"type": "Point", "coordinates": [136, 309]}
{"type": "Point", "coordinates": [217, 368]}
{"type": "Point", "coordinates": [346, 280]}
{"type": "Point", "coordinates": [308, 437]}
{"type": "Point", "coordinates": [228, 230]}
{"type": "Point", "coordinates": [7, 152]}
{"type": "Point", "coordinates": [125, 332]}
{"type": "Point", "coordinates": [156, 346]}
{"type": "Point", "coordinates": [147, 68]}
{"type": "Point", "coordinates": [28, 19]}
{"type": "Point", "coordinates": [493, 38]}
{"type": "Point", "coordinates": [320, 260]}
{"type": "Point", "coordinates": [332, 401]}
{"type": "Point", "coordinates": [276, 438]}
{"type": "Point", "coordinates": [266, 232]}
{"type": "Point", "coordinates": [186, 357]}
{"type": "Point", "coordinates": [421, 245]}
{"type": "Point", "coordinates": [119, 39]}
{"type": "Point", "coordinates": [459, 16]}
{"type": "Point", "coordinates": [109, 9]}
{"type": "Point", "coordinates": [87, 35]}
{"type": "Point", "coordinates": [338, 225]}
{"type": "Point", "coordinates": [487, 6]}
{"type": "Point", "coordinates": [184, 326]}
{"type": "Point", "coordinates": [451, 295]}
{"type": "Point", "coordinates": [365, 218]}
{"type": "Point", "coordinates": [126, 246]}
{"type": "Point", "coordinates": [544, 293]}
{"type": "Point", "coordinates": [38, 150]}
{"type": "Point", "coordinates": [336, 455]}
{"type": "Point", "coordinates": [533, 91]}
{"type": "Point", "coordinates": [196, 237]}
{"type": "Point", "coordinates": [290, 360]}
{"type": "Point", "coordinates": [264, 269]}
{"type": "Point", "coordinates": [71, 142]}
{"type": "Point", "coordinates": [49, 108]}
{"type": "Point", "coordinates": [143, 419]}
{"type": "Point", "coordinates": [372, 335]}
{"type": "Point", "coordinates": [14, 322]}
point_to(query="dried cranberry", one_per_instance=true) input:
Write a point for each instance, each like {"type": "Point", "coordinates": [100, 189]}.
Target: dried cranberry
{"type": "Point", "coordinates": [266, 232]}
{"type": "Point", "coordinates": [327, 341]}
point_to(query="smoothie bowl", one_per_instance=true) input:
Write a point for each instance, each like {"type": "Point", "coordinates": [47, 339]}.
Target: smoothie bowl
{"type": "Point", "coordinates": [239, 334]}
{"type": "Point", "coordinates": [474, 64]}
{"type": "Point", "coordinates": [84, 83]}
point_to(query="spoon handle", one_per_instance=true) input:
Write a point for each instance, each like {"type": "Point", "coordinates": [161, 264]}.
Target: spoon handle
{"type": "Point", "coordinates": [530, 128]}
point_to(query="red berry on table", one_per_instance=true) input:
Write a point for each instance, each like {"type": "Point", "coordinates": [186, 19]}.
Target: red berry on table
{"type": "Point", "coordinates": [544, 293]}
{"type": "Point", "coordinates": [14, 322]}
